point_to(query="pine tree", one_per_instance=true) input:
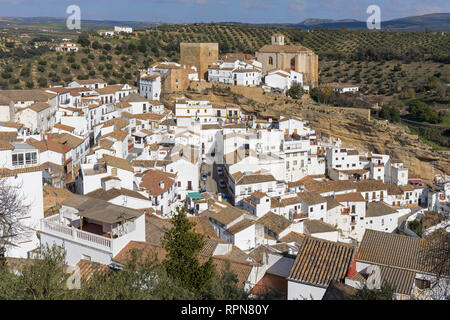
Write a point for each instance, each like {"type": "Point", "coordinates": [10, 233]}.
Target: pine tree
{"type": "Point", "coordinates": [183, 245]}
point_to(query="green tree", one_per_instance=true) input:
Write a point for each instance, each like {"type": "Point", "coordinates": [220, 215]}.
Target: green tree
{"type": "Point", "coordinates": [83, 39]}
{"type": "Point", "coordinates": [141, 278]}
{"type": "Point", "coordinates": [96, 45]}
{"type": "Point", "coordinates": [295, 91]}
{"type": "Point", "coordinates": [42, 279]}
{"type": "Point", "coordinates": [183, 245]}
{"type": "Point", "coordinates": [225, 287]}
{"type": "Point", "coordinates": [385, 292]}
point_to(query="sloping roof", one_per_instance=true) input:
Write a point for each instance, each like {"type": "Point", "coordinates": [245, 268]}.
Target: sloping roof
{"type": "Point", "coordinates": [117, 134]}
{"type": "Point", "coordinates": [54, 196]}
{"type": "Point", "coordinates": [118, 123]}
{"type": "Point", "coordinates": [239, 267]}
{"type": "Point", "coordinates": [152, 179]}
{"type": "Point", "coordinates": [258, 194]}
{"type": "Point", "coordinates": [111, 89]}
{"type": "Point", "coordinates": [311, 197]}
{"type": "Point", "coordinates": [224, 216]}
{"type": "Point", "coordinates": [319, 261]}
{"type": "Point", "coordinates": [350, 197]}
{"type": "Point", "coordinates": [210, 127]}
{"type": "Point", "coordinates": [90, 81]}
{"type": "Point", "coordinates": [45, 145]}
{"type": "Point", "coordinates": [66, 138]}
{"type": "Point", "coordinates": [331, 202]}
{"type": "Point", "coordinates": [293, 237]}
{"type": "Point", "coordinates": [11, 125]}
{"type": "Point", "coordinates": [401, 280]}
{"type": "Point", "coordinates": [339, 291]}
{"type": "Point", "coordinates": [203, 226]}
{"type": "Point", "coordinates": [143, 163]}
{"type": "Point", "coordinates": [39, 106]}
{"type": "Point", "coordinates": [63, 127]}
{"type": "Point", "coordinates": [114, 193]}
{"type": "Point", "coordinates": [148, 250]}
{"type": "Point", "coordinates": [5, 145]}
{"type": "Point", "coordinates": [240, 226]}
{"type": "Point", "coordinates": [394, 250]}
{"type": "Point", "coordinates": [240, 178]}
{"type": "Point", "coordinates": [36, 95]}
{"type": "Point", "coordinates": [318, 226]}
{"type": "Point", "coordinates": [100, 210]}
{"type": "Point", "coordinates": [117, 162]}
{"type": "Point", "coordinates": [377, 209]}
{"type": "Point", "coordinates": [89, 268]}
{"type": "Point", "coordinates": [134, 97]}
{"type": "Point", "coordinates": [274, 222]}
{"type": "Point", "coordinates": [286, 48]}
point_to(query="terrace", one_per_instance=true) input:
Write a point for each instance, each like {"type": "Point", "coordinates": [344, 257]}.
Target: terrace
{"type": "Point", "coordinates": [96, 224]}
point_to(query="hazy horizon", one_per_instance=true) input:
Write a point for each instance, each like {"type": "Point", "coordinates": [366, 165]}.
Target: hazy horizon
{"type": "Point", "coordinates": [206, 11]}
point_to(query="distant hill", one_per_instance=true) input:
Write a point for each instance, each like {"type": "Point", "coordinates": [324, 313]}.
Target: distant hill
{"type": "Point", "coordinates": [85, 24]}
{"type": "Point", "coordinates": [435, 22]}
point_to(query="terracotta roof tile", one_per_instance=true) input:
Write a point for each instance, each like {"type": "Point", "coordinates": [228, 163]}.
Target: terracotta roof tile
{"type": "Point", "coordinates": [319, 261]}
{"type": "Point", "coordinates": [152, 179]}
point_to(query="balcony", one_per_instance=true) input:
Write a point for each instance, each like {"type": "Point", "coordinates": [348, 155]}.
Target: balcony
{"type": "Point", "coordinates": [53, 226]}
{"type": "Point", "coordinates": [92, 235]}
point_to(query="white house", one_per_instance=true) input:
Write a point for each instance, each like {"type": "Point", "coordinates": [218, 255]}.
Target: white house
{"type": "Point", "coordinates": [92, 229]}
{"type": "Point", "coordinates": [283, 79]}
{"type": "Point", "coordinates": [22, 172]}
{"type": "Point", "coordinates": [150, 86]}
{"type": "Point", "coordinates": [123, 29]}
{"type": "Point", "coordinates": [161, 189]}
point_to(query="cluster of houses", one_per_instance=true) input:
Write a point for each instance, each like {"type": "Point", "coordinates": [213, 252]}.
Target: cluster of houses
{"type": "Point", "coordinates": [293, 213]}
{"type": "Point", "coordinates": [117, 30]}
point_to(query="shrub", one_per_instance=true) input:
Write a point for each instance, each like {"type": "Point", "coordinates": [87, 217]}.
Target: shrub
{"type": "Point", "coordinates": [42, 82]}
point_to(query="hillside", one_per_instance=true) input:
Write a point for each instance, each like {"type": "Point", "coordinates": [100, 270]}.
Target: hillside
{"type": "Point", "coordinates": [346, 56]}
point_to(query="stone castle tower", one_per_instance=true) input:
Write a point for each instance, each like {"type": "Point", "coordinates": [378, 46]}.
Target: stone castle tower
{"type": "Point", "coordinates": [200, 55]}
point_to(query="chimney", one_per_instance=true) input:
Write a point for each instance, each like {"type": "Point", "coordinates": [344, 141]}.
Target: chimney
{"type": "Point", "coordinates": [161, 184]}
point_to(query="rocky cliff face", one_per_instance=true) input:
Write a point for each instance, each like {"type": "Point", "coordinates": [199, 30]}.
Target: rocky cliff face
{"type": "Point", "coordinates": [380, 137]}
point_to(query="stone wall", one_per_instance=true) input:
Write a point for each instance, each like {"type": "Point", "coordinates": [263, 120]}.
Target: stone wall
{"type": "Point", "coordinates": [200, 55]}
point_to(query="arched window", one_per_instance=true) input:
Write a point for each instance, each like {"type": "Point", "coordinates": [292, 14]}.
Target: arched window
{"type": "Point", "coordinates": [271, 60]}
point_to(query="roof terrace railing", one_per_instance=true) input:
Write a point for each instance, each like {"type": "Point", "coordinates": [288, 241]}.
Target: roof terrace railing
{"type": "Point", "coordinates": [52, 225]}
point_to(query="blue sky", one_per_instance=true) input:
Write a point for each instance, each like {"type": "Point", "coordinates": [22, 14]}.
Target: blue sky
{"type": "Point", "coordinates": [251, 11]}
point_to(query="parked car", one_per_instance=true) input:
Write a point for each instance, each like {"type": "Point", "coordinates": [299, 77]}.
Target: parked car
{"type": "Point", "coordinates": [222, 183]}
{"type": "Point", "coordinates": [219, 171]}
{"type": "Point", "coordinates": [204, 176]}
{"type": "Point", "coordinates": [203, 190]}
